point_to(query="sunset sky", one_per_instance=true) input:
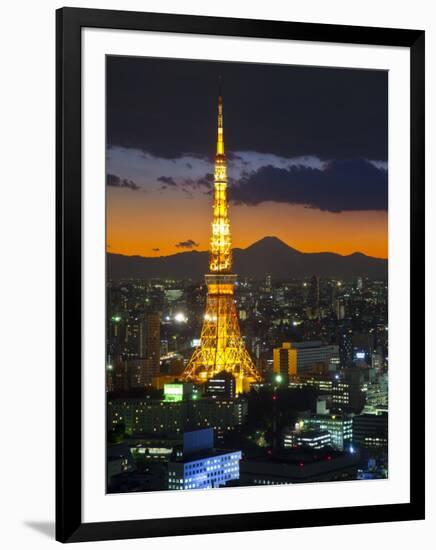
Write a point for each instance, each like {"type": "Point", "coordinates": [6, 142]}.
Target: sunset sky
{"type": "Point", "coordinates": [307, 155]}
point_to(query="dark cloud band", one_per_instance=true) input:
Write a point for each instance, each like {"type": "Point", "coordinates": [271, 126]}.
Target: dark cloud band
{"type": "Point", "coordinates": [167, 181]}
{"type": "Point", "coordinates": [115, 181]}
{"type": "Point", "coordinates": [189, 243]}
{"type": "Point", "coordinates": [348, 185]}
{"type": "Point", "coordinates": [285, 110]}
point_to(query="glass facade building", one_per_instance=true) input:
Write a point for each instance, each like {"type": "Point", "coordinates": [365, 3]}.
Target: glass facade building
{"type": "Point", "coordinates": [204, 472]}
{"type": "Point", "coordinates": [340, 428]}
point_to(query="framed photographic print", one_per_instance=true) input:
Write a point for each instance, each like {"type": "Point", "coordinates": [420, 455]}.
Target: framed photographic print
{"type": "Point", "coordinates": [240, 275]}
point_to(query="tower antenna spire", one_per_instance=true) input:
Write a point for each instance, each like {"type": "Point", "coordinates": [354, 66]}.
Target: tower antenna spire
{"type": "Point", "coordinates": [220, 139]}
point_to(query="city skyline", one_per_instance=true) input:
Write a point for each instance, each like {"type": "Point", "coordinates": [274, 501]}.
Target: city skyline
{"type": "Point", "coordinates": [283, 156]}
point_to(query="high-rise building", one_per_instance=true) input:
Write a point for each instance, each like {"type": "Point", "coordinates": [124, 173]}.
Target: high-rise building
{"type": "Point", "coordinates": [147, 416]}
{"type": "Point", "coordinates": [313, 298]}
{"type": "Point", "coordinates": [335, 360]}
{"type": "Point", "coordinates": [340, 428]}
{"type": "Point", "coordinates": [377, 361]}
{"type": "Point", "coordinates": [371, 430]}
{"type": "Point", "coordinates": [377, 395]}
{"type": "Point", "coordinates": [283, 362]}
{"type": "Point", "coordinates": [333, 293]}
{"type": "Point", "coordinates": [348, 390]}
{"type": "Point", "coordinates": [346, 348]}
{"type": "Point", "coordinates": [149, 342]}
{"type": "Point", "coordinates": [352, 391]}
{"type": "Point", "coordinates": [202, 466]}
{"type": "Point", "coordinates": [180, 408]}
{"type": "Point", "coordinates": [221, 385]}
{"type": "Point", "coordinates": [301, 357]}
{"type": "Point", "coordinates": [221, 345]}
{"type": "Point", "coordinates": [116, 335]}
{"type": "Point", "coordinates": [221, 414]}
{"type": "Point", "coordinates": [319, 382]}
{"type": "Point", "coordinates": [339, 308]}
{"type": "Point", "coordinates": [363, 347]}
{"type": "Point", "coordinates": [120, 377]}
{"type": "Point", "coordinates": [109, 378]}
{"type": "Point", "coordinates": [136, 372]}
{"type": "Point", "coordinates": [312, 439]}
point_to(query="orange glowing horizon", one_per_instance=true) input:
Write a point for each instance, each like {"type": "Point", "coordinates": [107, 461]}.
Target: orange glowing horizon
{"type": "Point", "coordinates": [154, 224]}
{"type": "Point", "coordinates": [126, 251]}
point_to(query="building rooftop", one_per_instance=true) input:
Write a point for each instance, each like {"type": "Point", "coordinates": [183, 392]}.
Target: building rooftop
{"type": "Point", "coordinates": [298, 455]}
{"type": "Point", "coordinates": [203, 455]}
{"type": "Point", "coordinates": [302, 466]}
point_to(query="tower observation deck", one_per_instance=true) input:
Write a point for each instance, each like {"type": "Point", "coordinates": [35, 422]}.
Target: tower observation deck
{"type": "Point", "coordinates": [221, 345]}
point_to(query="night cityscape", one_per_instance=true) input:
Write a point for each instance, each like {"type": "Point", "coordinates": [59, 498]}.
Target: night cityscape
{"type": "Point", "coordinates": [319, 414]}
{"type": "Point", "coordinates": [235, 359]}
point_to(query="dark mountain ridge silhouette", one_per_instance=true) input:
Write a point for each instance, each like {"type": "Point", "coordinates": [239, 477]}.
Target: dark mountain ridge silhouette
{"type": "Point", "coordinates": [269, 255]}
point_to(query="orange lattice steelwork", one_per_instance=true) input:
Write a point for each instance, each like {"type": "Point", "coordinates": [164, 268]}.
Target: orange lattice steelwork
{"type": "Point", "coordinates": [221, 346]}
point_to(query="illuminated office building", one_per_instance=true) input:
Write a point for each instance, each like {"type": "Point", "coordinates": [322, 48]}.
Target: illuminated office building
{"type": "Point", "coordinates": [371, 430]}
{"type": "Point", "coordinates": [221, 385]}
{"type": "Point", "coordinates": [204, 471]}
{"type": "Point", "coordinates": [349, 392]}
{"type": "Point", "coordinates": [179, 391]}
{"type": "Point", "coordinates": [150, 345]}
{"type": "Point", "coordinates": [346, 348]}
{"type": "Point", "coordinates": [172, 415]}
{"type": "Point", "coordinates": [340, 428]}
{"type": "Point", "coordinates": [313, 298]}
{"type": "Point", "coordinates": [300, 357]}
{"type": "Point", "coordinates": [312, 439]}
{"type": "Point", "coordinates": [202, 466]}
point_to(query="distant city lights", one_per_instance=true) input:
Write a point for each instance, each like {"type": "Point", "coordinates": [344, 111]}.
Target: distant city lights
{"type": "Point", "coordinates": [180, 318]}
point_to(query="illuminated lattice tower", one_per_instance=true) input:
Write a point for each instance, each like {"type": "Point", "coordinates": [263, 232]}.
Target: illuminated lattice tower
{"type": "Point", "coordinates": [221, 346]}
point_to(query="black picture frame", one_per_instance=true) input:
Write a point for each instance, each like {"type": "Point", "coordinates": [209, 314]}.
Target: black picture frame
{"type": "Point", "coordinates": [69, 525]}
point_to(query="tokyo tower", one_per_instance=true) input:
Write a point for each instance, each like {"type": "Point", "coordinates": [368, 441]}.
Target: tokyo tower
{"type": "Point", "coordinates": [221, 345]}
